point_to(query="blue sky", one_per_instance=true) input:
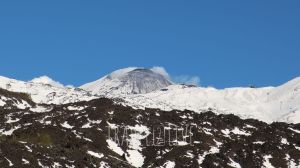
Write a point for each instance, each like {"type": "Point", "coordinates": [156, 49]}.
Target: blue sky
{"type": "Point", "coordinates": [225, 43]}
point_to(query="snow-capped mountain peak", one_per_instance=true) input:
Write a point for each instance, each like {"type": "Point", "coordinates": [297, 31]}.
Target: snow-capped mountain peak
{"type": "Point", "coordinates": [130, 80]}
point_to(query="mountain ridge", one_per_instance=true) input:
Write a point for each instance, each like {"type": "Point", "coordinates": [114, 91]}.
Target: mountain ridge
{"type": "Point", "coordinates": [269, 104]}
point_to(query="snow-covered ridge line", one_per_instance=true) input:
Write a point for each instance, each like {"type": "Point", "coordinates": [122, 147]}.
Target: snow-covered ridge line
{"type": "Point", "coordinates": [268, 104]}
{"type": "Point", "coordinates": [146, 88]}
{"type": "Point", "coordinates": [46, 90]}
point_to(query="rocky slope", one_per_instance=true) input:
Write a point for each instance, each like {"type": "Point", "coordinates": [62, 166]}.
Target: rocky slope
{"type": "Point", "coordinates": [101, 133]}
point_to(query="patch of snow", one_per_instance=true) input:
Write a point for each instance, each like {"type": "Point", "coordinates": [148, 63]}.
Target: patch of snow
{"type": "Point", "coordinates": [40, 109]}
{"type": "Point", "coordinates": [104, 165]}
{"type": "Point", "coordinates": [88, 125]}
{"type": "Point", "coordinates": [291, 162]}
{"type": "Point", "coordinates": [56, 165]}
{"type": "Point", "coordinates": [9, 162]}
{"type": "Point", "coordinates": [259, 142]}
{"type": "Point", "coordinates": [284, 141]}
{"type": "Point", "coordinates": [169, 164]}
{"type": "Point", "coordinates": [25, 161]}
{"type": "Point", "coordinates": [114, 147]}
{"type": "Point", "coordinates": [2, 103]}
{"type": "Point", "coordinates": [237, 131]}
{"type": "Point", "coordinates": [75, 108]}
{"type": "Point", "coordinates": [22, 105]}
{"type": "Point", "coordinates": [135, 158]}
{"type": "Point", "coordinates": [66, 125]}
{"type": "Point", "coordinates": [234, 164]}
{"type": "Point", "coordinates": [9, 132]}
{"type": "Point", "coordinates": [97, 155]}
{"type": "Point", "coordinates": [226, 132]}
{"type": "Point", "coordinates": [12, 121]}
{"type": "Point", "coordinates": [297, 131]}
{"type": "Point", "coordinates": [28, 148]}
{"type": "Point", "coordinates": [267, 162]}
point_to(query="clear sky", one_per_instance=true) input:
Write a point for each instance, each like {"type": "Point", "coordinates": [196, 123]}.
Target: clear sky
{"type": "Point", "coordinates": [225, 43]}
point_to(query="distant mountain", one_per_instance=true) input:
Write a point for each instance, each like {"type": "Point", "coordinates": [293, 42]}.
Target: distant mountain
{"type": "Point", "coordinates": [143, 88]}
{"type": "Point", "coordinates": [128, 81]}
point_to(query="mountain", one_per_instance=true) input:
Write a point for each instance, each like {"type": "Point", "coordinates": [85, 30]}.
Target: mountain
{"type": "Point", "coordinates": [267, 104]}
{"type": "Point", "coordinates": [128, 81]}
{"type": "Point", "coordinates": [152, 88]}
{"type": "Point", "coordinates": [102, 134]}
{"type": "Point", "coordinates": [45, 90]}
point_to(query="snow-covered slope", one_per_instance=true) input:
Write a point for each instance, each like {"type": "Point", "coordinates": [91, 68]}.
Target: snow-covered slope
{"type": "Point", "coordinates": [128, 81]}
{"type": "Point", "coordinates": [268, 104]}
{"type": "Point", "coordinates": [147, 88]}
{"type": "Point", "coordinates": [45, 90]}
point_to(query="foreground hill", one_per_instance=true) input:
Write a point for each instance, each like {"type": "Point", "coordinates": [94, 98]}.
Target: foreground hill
{"type": "Point", "coordinates": [101, 133]}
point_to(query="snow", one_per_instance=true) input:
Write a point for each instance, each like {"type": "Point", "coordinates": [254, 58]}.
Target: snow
{"type": "Point", "coordinates": [226, 132]}
{"type": "Point", "coordinates": [259, 142]}
{"type": "Point", "coordinates": [56, 165]}
{"type": "Point", "coordinates": [40, 109]}
{"type": "Point", "coordinates": [234, 164]}
{"type": "Point", "coordinates": [212, 150]}
{"type": "Point", "coordinates": [25, 161]}
{"type": "Point", "coordinates": [132, 80]}
{"type": "Point", "coordinates": [97, 155]}
{"type": "Point", "coordinates": [22, 105]}
{"type": "Point", "coordinates": [67, 166]}
{"type": "Point", "coordinates": [9, 162]}
{"type": "Point", "coordinates": [237, 131]}
{"type": "Point", "coordinates": [169, 164]}
{"type": "Point", "coordinates": [297, 131]}
{"type": "Point", "coordinates": [291, 162]}
{"type": "Point", "coordinates": [267, 104]}
{"type": "Point", "coordinates": [75, 108]}
{"type": "Point", "coordinates": [114, 147]}
{"type": "Point", "coordinates": [267, 163]}
{"type": "Point", "coordinates": [139, 128]}
{"type": "Point", "coordinates": [45, 90]}
{"type": "Point", "coordinates": [66, 125]}
{"type": "Point", "coordinates": [104, 165]}
{"type": "Point", "coordinates": [28, 148]}
{"type": "Point", "coordinates": [284, 141]}
{"type": "Point", "coordinates": [87, 125]}
{"type": "Point", "coordinates": [189, 154]}
{"type": "Point", "coordinates": [9, 132]}
{"type": "Point", "coordinates": [10, 120]}
{"type": "Point", "coordinates": [2, 103]}
{"type": "Point", "coordinates": [135, 158]}
{"type": "Point", "coordinates": [46, 80]}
